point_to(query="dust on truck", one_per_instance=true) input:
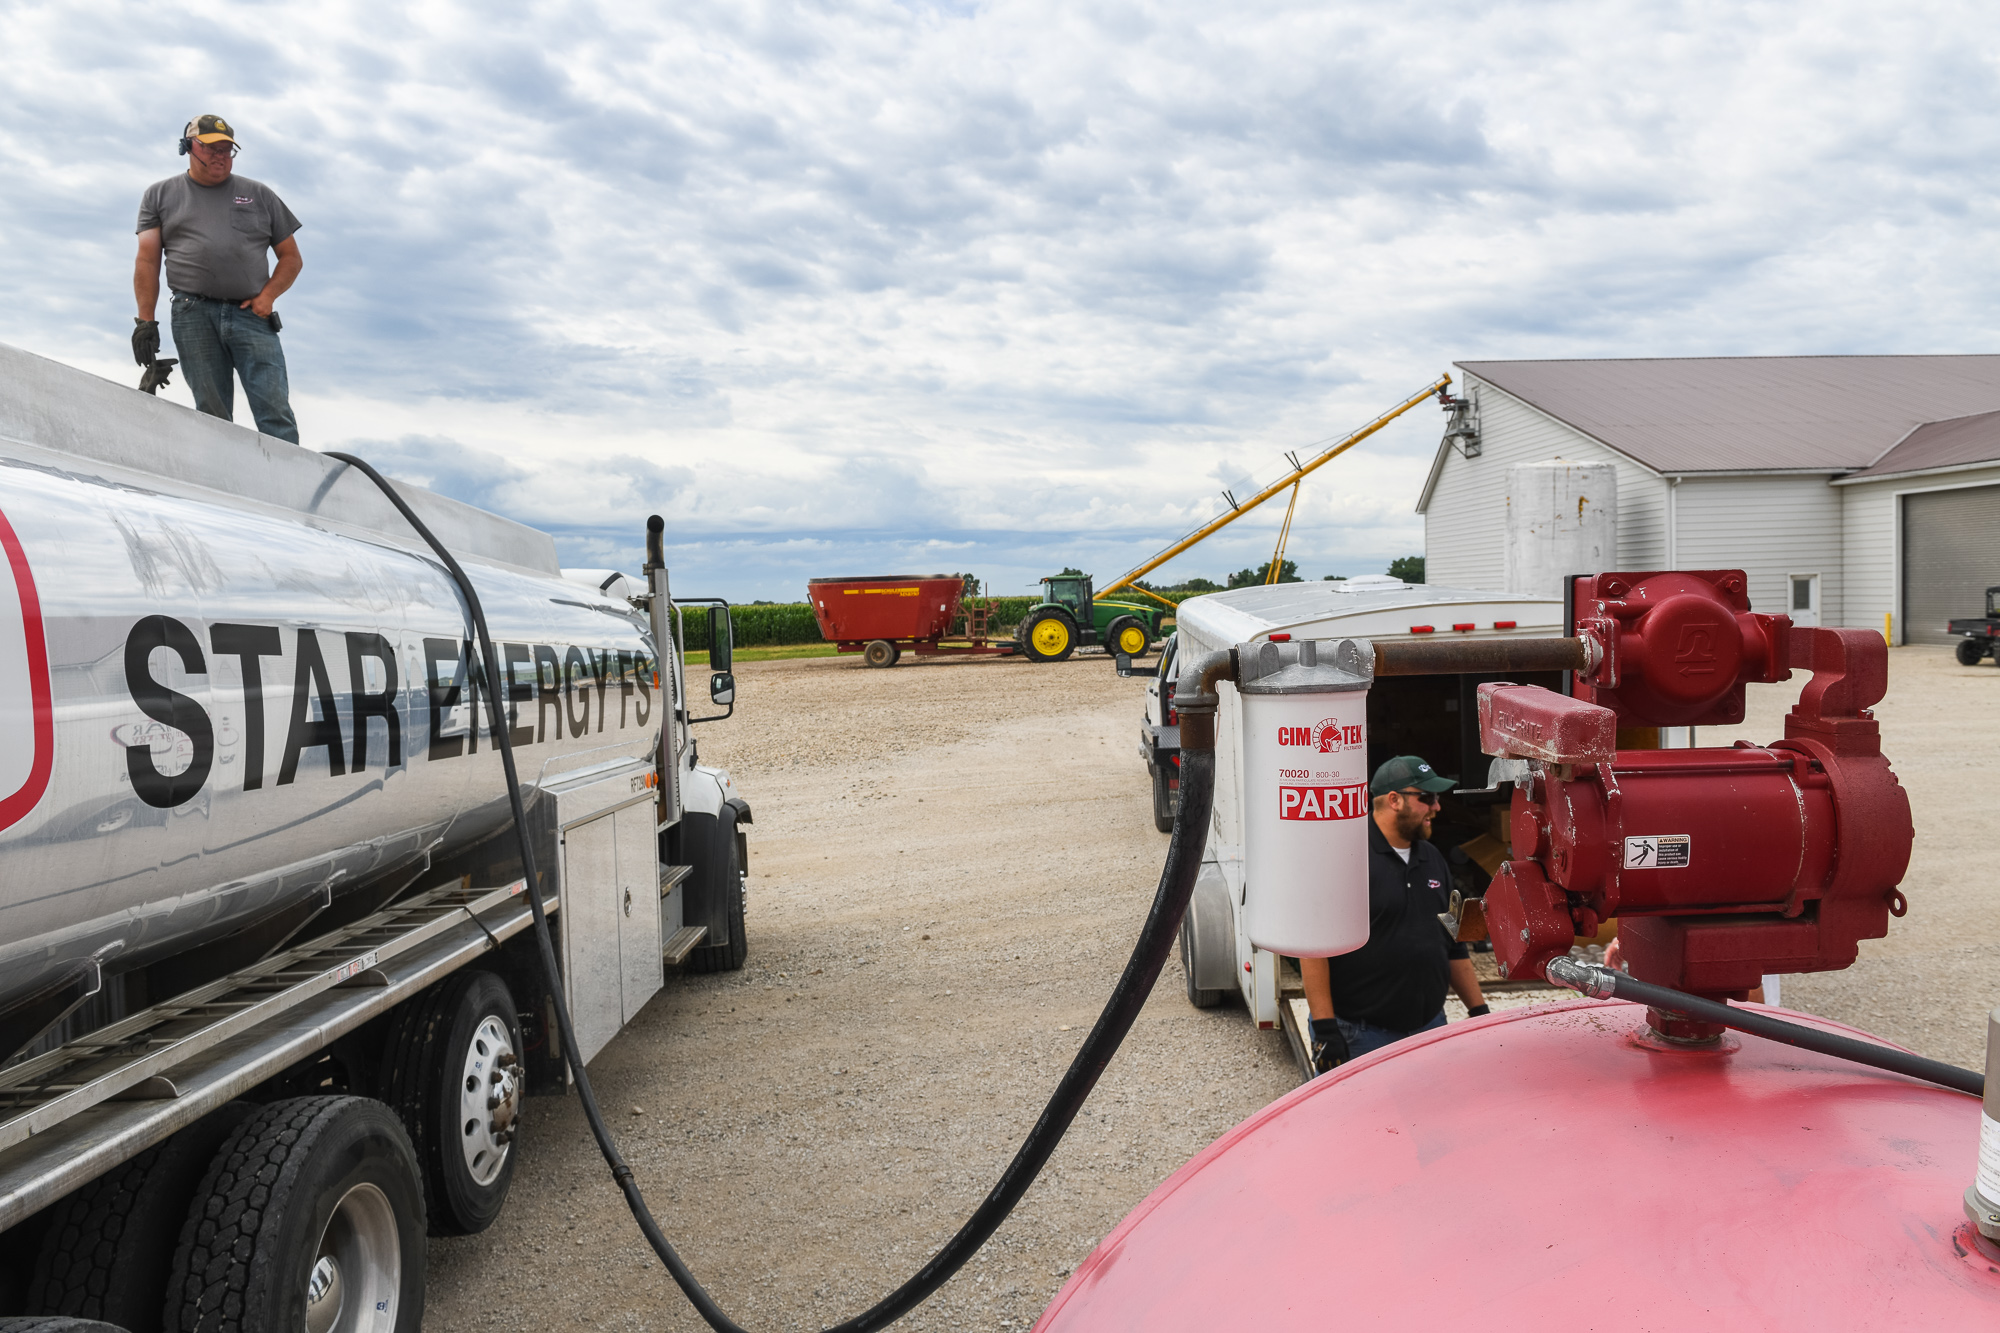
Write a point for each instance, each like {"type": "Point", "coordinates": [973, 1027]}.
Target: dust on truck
{"type": "Point", "coordinates": [260, 892]}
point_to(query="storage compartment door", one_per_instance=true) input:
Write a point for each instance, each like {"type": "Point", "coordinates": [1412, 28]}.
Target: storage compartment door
{"type": "Point", "coordinates": [639, 939]}
{"type": "Point", "coordinates": [592, 913]}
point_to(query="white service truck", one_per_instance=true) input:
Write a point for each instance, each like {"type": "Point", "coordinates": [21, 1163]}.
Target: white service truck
{"type": "Point", "coordinates": [269, 1001]}
{"type": "Point", "coordinates": [1434, 716]}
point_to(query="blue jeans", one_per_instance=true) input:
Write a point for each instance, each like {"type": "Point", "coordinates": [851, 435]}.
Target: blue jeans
{"type": "Point", "coordinates": [215, 338]}
{"type": "Point", "coordinates": [1365, 1037]}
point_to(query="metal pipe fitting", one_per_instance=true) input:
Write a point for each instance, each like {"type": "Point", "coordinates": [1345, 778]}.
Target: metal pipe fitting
{"type": "Point", "coordinates": [1604, 983]}
{"type": "Point", "coordinates": [1982, 1197]}
{"type": "Point", "coordinates": [1196, 700]}
{"type": "Point", "coordinates": [1443, 657]}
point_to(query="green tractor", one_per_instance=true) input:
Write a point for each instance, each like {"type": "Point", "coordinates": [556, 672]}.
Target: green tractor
{"type": "Point", "coordinates": [1068, 617]}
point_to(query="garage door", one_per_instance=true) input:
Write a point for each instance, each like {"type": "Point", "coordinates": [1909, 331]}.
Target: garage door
{"type": "Point", "coordinates": [1951, 555]}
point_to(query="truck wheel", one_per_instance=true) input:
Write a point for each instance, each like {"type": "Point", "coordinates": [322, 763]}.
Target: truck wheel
{"type": "Point", "coordinates": [1126, 635]}
{"type": "Point", "coordinates": [1970, 651]}
{"type": "Point", "coordinates": [1048, 636]}
{"type": "Point", "coordinates": [880, 653]}
{"type": "Point", "coordinates": [731, 851]}
{"type": "Point", "coordinates": [451, 1071]}
{"type": "Point", "coordinates": [108, 1249]}
{"type": "Point", "coordinates": [1165, 800]}
{"type": "Point", "coordinates": [1199, 998]}
{"type": "Point", "coordinates": [310, 1217]}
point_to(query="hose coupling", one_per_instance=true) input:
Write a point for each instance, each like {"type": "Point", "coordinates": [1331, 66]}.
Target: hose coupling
{"type": "Point", "coordinates": [1599, 983]}
{"type": "Point", "coordinates": [1196, 700]}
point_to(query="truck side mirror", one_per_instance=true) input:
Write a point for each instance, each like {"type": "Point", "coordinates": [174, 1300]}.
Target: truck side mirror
{"type": "Point", "coordinates": [721, 643]}
{"type": "Point", "coordinates": [722, 688]}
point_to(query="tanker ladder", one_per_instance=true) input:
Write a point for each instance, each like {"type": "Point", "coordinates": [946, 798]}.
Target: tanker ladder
{"type": "Point", "coordinates": [74, 1112]}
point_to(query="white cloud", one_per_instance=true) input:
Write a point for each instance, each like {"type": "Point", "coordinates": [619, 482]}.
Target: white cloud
{"type": "Point", "coordinates": [844, 285]}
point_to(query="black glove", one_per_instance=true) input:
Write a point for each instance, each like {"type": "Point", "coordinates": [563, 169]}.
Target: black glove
{"type": "Point", "coordinates": [145, 340]}
{"type": "Point", "coordinates": [1478, 1011]}
{"type": "Point", "coordinates": [1329, 1044]}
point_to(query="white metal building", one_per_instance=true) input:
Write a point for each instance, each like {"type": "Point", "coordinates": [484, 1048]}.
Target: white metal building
{"type": "Point", "coordinates": [1847, 487]}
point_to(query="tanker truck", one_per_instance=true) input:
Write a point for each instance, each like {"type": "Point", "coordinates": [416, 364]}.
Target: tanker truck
{"type": "Point", "coordinates": [268, 1000]}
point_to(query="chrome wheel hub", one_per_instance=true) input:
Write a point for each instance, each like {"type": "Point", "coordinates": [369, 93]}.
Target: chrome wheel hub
{"type": "Point", "coordinates": [358, 1275]}
{"type": "Point", "coordinates": [489, 1100]}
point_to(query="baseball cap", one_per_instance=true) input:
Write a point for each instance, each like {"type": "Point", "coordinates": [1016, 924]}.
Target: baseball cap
{"type": "Point", "coordinates": [1406, 770]}
{"type": "Point", "coordinates": [210, 129]}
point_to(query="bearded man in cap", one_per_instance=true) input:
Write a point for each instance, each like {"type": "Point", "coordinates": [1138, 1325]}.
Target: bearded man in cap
{"type": "Point", "coordinates": [217, 231]}
{"type": "Point", "coordinates": [1393, 986]}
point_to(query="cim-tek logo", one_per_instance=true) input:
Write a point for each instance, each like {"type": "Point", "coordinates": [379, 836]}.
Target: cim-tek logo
{"type": "Point", "coordinates": [1326, 736]}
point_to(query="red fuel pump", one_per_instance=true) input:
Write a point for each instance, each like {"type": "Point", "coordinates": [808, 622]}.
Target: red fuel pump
{"type": "Point", "coordinates": [1720, 864]}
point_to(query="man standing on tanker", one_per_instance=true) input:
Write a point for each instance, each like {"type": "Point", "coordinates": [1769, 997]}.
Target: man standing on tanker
{"type": "Point", "coordinates": [215, 230]}
{"type": "Point", "coordinates": [1394, 985]}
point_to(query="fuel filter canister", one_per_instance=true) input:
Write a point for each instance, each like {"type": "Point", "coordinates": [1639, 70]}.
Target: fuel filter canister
{"type": "Point", "coordinates": [1305, 789]}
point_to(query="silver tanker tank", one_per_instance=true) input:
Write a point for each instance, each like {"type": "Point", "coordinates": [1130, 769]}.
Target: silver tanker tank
{"type": "Point", "coordinates": [234, 684]}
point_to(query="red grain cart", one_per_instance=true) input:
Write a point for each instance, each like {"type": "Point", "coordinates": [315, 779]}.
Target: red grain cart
{"type": "Point", "coordinates": [880, 615]}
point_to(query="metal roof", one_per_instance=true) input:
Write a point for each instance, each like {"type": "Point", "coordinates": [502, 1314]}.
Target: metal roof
{"type": "Point", "coordinates": [1751, 413]}
{"type": "Point", "coordinates": [1939, 444]}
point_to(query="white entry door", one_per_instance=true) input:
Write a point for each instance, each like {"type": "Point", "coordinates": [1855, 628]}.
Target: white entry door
{"type": "Point", "coordinates": [1805, 599]}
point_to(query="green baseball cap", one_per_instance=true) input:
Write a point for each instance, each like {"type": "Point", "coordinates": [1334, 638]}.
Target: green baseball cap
{"type": "Point", "coordinates": [1406, 770]}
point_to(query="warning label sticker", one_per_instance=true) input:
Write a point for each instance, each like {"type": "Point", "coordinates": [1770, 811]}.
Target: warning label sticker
{"type": "Point", "coordinates": [1658, 851]}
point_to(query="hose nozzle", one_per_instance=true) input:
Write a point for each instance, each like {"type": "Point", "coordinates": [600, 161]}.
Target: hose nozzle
{"type": "Point", "coordinates": [1599, 983]}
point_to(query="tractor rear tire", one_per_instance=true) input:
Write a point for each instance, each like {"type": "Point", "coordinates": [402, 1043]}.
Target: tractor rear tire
{"type": "Point", "coordinates": [1127, 635]}
{"type": "Point", "coordinates": [1970, 651]}
{"type": "Point", "coordinates": [1048, 636]}
{"type": "Point", "coordinates": [880, 653]}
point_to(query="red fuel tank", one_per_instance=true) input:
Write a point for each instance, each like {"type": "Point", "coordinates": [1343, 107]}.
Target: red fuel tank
{"type": "Point", "coordinates": [1552, 1168]}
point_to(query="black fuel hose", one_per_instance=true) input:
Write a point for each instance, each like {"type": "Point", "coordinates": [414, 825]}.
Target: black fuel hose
{"type": "Point", "coordinates": [1606, 983]}
{"type": "Point", "coordinates": [1135, 984]}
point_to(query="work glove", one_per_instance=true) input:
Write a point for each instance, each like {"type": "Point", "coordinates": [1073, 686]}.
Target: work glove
{"type": "Point", "coordinates": [1329, 1045]}
{"type": "Point", "coordinates": [145, 340]}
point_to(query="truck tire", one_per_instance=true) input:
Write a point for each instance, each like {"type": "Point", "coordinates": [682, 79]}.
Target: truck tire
{"type": "Point", "coordinates": [1199, 998]}
{"type": "Point", "coordinates": [451, 1071]}
{"type": "Point", "coordinates": [108, 1249]}
{"type": "Point", "coordinates": [1166, 801]}
{"type": "Point", "coordinates": [723, 858]}
{"type": "Point", "coordinates": [1970, 651]}
{"type": "Point", "coordinates": [1048, 636]}
{"type": "Point", "coordinates": [58, 1323]}
{"type": "Point", "coordinates": [1128, 636]}
{"type": "Point", "coordinates": [310, 1217]}
{"type": "Point", "coordinates": [880, 653]}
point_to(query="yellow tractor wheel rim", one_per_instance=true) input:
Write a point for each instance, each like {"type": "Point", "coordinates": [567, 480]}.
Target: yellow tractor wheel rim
{"type": "Point", "coordinates": [1050, 637]}
{"type": "Point", "coordinates": [1131, 641]}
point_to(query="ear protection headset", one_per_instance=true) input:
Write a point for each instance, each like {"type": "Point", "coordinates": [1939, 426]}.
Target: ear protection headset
{"type": "Point", "coordinates": [187, 137]}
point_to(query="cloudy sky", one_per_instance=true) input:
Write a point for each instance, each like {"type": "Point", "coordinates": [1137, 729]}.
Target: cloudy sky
{"type": "Point", "coordinates": [867, 287]}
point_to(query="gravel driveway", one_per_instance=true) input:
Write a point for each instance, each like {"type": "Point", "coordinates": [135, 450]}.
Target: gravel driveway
{"type": "Point", "coordinates": [949, 864]}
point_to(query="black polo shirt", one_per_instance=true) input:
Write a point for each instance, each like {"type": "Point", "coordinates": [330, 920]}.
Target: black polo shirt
{"type": "Point", "coordinates": [1399, 978]}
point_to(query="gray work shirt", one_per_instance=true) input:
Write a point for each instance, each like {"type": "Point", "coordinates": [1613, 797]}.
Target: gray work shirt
{"type": "Point", "coordinates": [218, 238]}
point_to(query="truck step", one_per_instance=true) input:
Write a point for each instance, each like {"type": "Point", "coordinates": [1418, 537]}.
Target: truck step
{"type": "Point", "coordinates": [683, 942]}
{"type": "Point", "coordinates": [671, 878]}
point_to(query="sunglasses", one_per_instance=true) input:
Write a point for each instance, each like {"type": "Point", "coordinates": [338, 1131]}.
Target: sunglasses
{"type": "Point", "coordinates": [1427, 797]}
